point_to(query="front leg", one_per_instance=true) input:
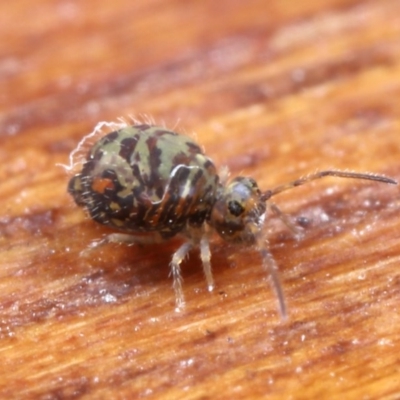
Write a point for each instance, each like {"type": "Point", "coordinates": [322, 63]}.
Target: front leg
{"type": "Point", "coordinates": [205, 255]}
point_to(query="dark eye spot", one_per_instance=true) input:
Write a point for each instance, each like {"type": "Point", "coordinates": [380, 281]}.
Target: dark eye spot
{"type": "Point", "coordinates": [235, 208]}
{"type": "Point", "coordinates": [253, 183]}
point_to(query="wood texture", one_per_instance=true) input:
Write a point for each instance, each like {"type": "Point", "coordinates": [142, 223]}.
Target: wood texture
{"type": "Point", "coordinates": [274, 90]}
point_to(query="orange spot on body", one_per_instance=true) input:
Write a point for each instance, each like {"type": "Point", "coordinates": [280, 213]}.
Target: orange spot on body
{"type": "Point", "coordinates": [99, 185]}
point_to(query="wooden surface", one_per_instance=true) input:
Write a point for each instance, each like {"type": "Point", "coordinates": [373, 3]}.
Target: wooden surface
{"type": "Point", "coordinates": [273, 89]}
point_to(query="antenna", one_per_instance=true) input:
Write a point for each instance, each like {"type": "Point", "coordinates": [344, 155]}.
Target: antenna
{"type": "Point", "coordinates": [321, 174]}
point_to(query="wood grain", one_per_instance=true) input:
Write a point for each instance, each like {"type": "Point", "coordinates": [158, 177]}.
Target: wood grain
{"type": "Point", "coordinates": [274, 90]}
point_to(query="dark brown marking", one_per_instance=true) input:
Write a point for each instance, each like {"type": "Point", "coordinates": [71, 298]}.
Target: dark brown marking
{"type": "Point", "coordinates": [128, 146]}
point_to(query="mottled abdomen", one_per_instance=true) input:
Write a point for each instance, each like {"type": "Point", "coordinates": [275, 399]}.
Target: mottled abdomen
{"type": "Point", "coordinates": [145, 178]}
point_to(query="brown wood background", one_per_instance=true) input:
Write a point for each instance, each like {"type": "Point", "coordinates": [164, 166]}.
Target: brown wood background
{"type": "Point", "coordinates": [273, 89]}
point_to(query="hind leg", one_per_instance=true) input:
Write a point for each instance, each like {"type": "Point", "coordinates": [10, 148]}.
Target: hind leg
{"type": "Point", "coordinates": [126, 238]}
{"type": "Point", "coordinates": [175, 266]}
